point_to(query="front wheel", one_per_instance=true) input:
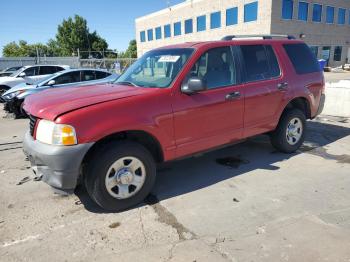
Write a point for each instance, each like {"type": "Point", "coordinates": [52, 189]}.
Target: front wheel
{"type": "Point", "coordinates": [120, 175]}
{"type": "Point", "coordinates": [290, 132]}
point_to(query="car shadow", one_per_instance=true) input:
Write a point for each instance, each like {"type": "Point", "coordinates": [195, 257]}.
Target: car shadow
{"type": "Point", "coordinates": [195, 173]}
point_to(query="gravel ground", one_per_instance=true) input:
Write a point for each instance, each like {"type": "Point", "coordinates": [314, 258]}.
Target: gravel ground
{"type": "Point", "coordinates": [242, 203]}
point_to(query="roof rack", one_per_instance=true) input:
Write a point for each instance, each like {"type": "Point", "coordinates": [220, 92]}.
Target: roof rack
{"type": "Point", "coordinates": [231, 37]}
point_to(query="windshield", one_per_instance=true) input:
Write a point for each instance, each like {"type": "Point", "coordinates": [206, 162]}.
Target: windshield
{"type": "Point", "coordinates": [157, 68]}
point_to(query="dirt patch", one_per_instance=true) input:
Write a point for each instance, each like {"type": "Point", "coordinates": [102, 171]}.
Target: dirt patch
{"type": "Point", "coordinates": [114, 225]}
{"type": "Point", "coordinates": [231, 162]}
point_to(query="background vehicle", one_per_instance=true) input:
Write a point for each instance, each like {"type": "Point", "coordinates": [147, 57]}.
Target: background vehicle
{"type": "Point", "coordinates": [173, 102]}
{"type": "Point", "coordinates": [70, 77]}
{"type": "Point", "coordinates": [29, 74]}
{"type": "Point", "coordinates": [9, 71]}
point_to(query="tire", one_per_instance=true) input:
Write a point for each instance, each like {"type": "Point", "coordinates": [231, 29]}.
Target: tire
{"type": "Point", "coordinates": [101, 168]}
{"type": "Point", "coordinates": [289, 143]}
{"type": "Point", "coordinates": [18, 110]}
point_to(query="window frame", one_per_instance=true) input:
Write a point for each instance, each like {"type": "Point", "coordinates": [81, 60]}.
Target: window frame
{"type": "Point", "coordinates": [175, 26]}
{"type": "Point", "coordinates": [234, 17]}
{"type": "Point", "coordinates": [143, 36]}
{"type": "Point", "coordinates": [256, 15]}
{"type": "Point", "coordinates": [328, 7]}
{"type": "Point", "coordinates": [205, 23]}
{"type": "Point", "coordinates": [212, 24]}
{"type": "Point", "coordinates": [341, 53]}
{"type": "Point", "coordinates": [338, 17]}
{"type": "Point", "coordinates": [283, 9]}
{"type": "Point", "coordinates": [243, 64]}
{"type": "Point", "coordinates": [313, 8]}
{"type": "Point", "coordinates": [149, 31]}
{"type": "Point", "coordinates": [307, 11]}
{"type": "Point", "coordinates": [188, 26]}
{"type": "Point", "coordinates": [158, 33]}
{"type": "Point", "coordinates": [165, 28]}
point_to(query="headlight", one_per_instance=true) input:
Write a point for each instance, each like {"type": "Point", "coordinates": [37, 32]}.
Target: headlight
{"type": "Point", "coordinates": [14, 94]}
{"type": "Point", "coordinates": [55, 134]}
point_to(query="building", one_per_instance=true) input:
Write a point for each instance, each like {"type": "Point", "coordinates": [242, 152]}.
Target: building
{"type": "Point", "coordinates": [323, 24]}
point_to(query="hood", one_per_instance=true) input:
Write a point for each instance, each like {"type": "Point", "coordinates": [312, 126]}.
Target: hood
{"type": "Point", "coordinates": [6, 79]}
{"type": "Point", "coordinates": [21, 86]}
{"type": "Point", "coordinates": [52, 103]}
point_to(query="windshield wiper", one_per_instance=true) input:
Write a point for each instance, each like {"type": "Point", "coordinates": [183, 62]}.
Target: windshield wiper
{"type": "Point", "coordinates": [127, 83]}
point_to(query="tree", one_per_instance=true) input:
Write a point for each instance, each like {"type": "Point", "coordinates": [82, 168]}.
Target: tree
{"type": "Point", "coordinates": [131, 52]}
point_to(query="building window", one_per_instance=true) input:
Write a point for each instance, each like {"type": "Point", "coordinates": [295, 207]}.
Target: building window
{"type": "Point", "coordinates": [251, 12]}
{"type": "Point", "coordinates": [215, 20]}
{"type": "Point", "coordinates": [177, 28]}
{"type": "Point", "coordinates": [143, 36]}
{"type": "Point", "coordinates": [317, 13]}
{"type": "Point", "coordinates": [232, 16]}
{"type": "Point", "coordinates": [341, 16]}
{"type": "Point", "coordinates": [158, 33]}
{"type": "Point", "coordinates": [167, 31]}
{"type": "Point", "coordinates": [150, 34]}
{"type": "Point", "coordinates": [189, 26]}
{"type": "Point", "coordinates": [337, 53]}
{"type": "Point", "coordinates": [314, 50]}
{"type": "Point", "coordinates": [303, 11]}
{"type": "Point", "coordinates": [201, 23]}
{"type": "Point", "coordinates": [287, 9]}
{"type": "Point", "coordinates": [330, 15]}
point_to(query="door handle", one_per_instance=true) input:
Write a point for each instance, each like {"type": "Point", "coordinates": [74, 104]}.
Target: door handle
{"type": "Point", "coordinates": [232, 96]}
{"type": "Point", "coordinates": [282, 86]}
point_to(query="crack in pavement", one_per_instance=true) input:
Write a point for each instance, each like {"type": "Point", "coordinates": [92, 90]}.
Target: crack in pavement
{"type": "Point", "coordinates": [166, 217]}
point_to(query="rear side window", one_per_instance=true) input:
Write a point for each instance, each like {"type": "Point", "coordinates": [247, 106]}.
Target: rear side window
{"type": "Point", "coordinates": [260, 62]}
{"type": "Point", "coordinates": [58, 69]}
{"type": "Point", "coordinates": [47, 70]}
{"type": "Point", "coordinates": [303, 60]}
{"type": "Point", "coordinates": [100, 75]}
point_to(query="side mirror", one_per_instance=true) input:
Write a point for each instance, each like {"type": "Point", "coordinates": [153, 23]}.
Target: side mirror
{"type": "Point", "coordinates": [22, 74]}
{"type": "Point", "coordinates": [51, 83]}
{"type": "Point", "coordinates": [193, 85]}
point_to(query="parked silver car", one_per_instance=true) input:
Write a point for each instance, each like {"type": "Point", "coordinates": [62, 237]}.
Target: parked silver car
{"type": "Point", "coordinates": [14, 97]}
{"type": "Point", "coordinates": [9, 71]}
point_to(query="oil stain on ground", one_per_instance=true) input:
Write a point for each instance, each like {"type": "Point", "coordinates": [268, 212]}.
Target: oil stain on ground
{"type": "Point", "coordinates": [231, 162]}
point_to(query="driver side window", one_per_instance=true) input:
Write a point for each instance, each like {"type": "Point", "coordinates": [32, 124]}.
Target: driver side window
{"type": "Point", "coordinates": [32, 71]}
{"type": "Point", "coordinates": [216, 67]}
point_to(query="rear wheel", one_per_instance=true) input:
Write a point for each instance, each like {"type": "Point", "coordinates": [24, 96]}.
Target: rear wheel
{"type": "Point", "coordinates": [120, 175]}
{"type": "Point", "coordinates": [290, 132]}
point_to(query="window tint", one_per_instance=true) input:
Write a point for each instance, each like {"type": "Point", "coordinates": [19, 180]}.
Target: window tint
{"type": "Point", "coordinates": [158, 33]}
{"type": "Point", "coordinates": [100, 75]}
{"type": "Point", "coordinates": [260, 62]}
{"type": "Point", "coordinates": [188, 26]}
{"type": "Point", "coordinates": [215, 20]}
{"type": "Point", "coordinates": [177, 28]}
{"type": "Point", "coordinates": [314, 50]}
{"type": "Point", "coordinates": [143, 36]}
{"type": "Point", "coordinates": [47, 70]}
{"type": "Point", "coordinates": [302, 58]}
{"type": "Point", "coordinates": [341, 16]}
{"type": "Point", "coordinates": [216, 67]}
{"type": "Point", "coordinates": [150, 34]}
{"type": "Point", "coordinates": [201, 23]}
{"type": "Point", "coordinates": [337, 53]}
{"type": "Point", "coordinates": [330, 14]}
{"type": "Point", "coordinates": [303, 11]}
{"type": "Point", "coordinates": [32, 71]}
{"type": "Point", "coordinates": [317, 13]}
{"type": "Point", "coordinates": [287, 9]}
{"type": "Point", "coordinates": [59, 69]}
{"type": "Point", "coordinates": [167, 31]}
{"type": "Point", "coordinates": [67, 78]}
{"type": "Point", "coordinates": [232, 16]}
{"type": "Point", "coordinates": [88, 75]}
{"type": "Point", "coordinates": [251, 12]}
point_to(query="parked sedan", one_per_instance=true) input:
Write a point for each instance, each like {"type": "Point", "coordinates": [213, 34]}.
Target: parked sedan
{"type": "Point", "coordinates": [29, 74]}
{"type": "Point", "coordinates": [14, 97]}
{"type": "Point", "coordinates": [9, 71]}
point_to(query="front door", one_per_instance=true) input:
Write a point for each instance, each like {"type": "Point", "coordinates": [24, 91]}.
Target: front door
{"type": "Point", "coordinates": [215, 116]}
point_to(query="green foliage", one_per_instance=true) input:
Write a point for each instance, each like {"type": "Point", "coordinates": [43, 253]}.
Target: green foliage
{"type": "Point", "coordinates": [72, 34]}
{"type": "Point", "coordinates": [131, 52]}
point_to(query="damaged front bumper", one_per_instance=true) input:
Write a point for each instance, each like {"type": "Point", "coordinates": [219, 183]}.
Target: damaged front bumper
{"type": "Point", "coordinates": [59, 166]}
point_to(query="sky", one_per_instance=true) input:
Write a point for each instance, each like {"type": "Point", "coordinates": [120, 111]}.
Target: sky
{"type": "Point", "coordinates": [36, 20]}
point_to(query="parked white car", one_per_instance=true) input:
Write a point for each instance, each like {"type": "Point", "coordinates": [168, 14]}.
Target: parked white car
{"type": "Point", "coordinates": [29, 74]}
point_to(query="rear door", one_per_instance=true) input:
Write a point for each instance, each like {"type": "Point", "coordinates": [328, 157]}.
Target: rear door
{"type": "Point", "coordinates": [32, 74]}
{"type": "Point", "coordinates": [215, 116]}
{"type": "Point", "coordinates": [264, 88]}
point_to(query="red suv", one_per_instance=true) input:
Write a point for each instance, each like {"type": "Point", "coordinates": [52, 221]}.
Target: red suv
{"type": "Point", "coordinates": [173, 102]}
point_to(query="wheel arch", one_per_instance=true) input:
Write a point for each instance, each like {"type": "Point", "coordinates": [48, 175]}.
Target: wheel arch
{"type": "Point", "coordinates": [300, 103]}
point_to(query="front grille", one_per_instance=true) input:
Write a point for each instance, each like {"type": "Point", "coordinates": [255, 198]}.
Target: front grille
{"type": "Point", "coordinates": [32, 124]}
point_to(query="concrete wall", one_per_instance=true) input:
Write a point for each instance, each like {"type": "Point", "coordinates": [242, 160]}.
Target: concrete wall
{"type": "Point", "coordinates": [197, 8]}
{"type": "Point", "coordinates": [317, 34]}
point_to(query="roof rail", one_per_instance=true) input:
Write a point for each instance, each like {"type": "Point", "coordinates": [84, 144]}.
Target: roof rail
{"type": "Point", "coordinates": [231, 37]}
